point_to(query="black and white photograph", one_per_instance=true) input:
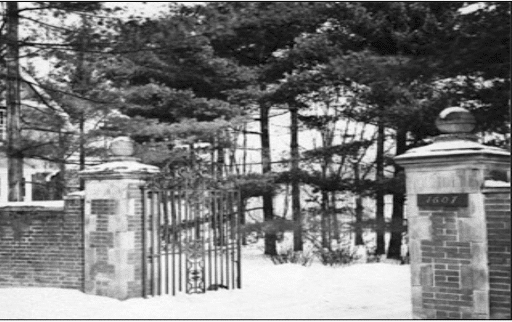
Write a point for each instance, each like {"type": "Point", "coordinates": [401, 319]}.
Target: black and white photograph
{"type": "Point", "coordinates": [255, 160]}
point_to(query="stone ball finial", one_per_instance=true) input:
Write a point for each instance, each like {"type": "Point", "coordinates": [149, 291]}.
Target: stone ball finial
{"type": "Point", "coordinates": [454, 120]}
{"type": "Point", "coordinates": [122, 147]}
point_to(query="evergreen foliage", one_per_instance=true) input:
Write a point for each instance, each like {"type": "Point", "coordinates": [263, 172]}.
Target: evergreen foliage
{"type": "Point", "coordinates": [184, 85]}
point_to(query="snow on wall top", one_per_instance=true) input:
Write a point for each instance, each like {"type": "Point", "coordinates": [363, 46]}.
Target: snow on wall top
{"type": "Point", "coordinates": [496, 184]}
{"type": "Point", "coordinates": [26, 205]}
{"type": "Point", "coordinates": [121, 167]}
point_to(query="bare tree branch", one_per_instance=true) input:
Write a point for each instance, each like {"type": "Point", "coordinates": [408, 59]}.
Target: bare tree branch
{"type": "Point", "coordinates": [35, 8]}
{"type": "Point", "coordinates": [45, 24]}
{"type": "Point", "coordinates": [66, 93]}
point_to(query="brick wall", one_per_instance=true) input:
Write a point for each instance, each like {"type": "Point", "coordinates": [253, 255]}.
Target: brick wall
{"type": "Point", "coordinates": [42, 247]}
{"type": "Point", "coordinates": [497, 208]}
{"type": "Point", "coordinates": [446, 273]}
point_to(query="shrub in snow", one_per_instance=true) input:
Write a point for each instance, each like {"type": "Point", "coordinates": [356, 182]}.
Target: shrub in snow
{"type": "Point", "coordinates": [335, 257]}
{"type": "Point", "coordinates": [292, 257]}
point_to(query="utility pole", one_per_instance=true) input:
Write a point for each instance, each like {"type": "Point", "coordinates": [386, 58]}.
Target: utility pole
{"type": "Point", "coordinates": [81, 88]}
{"type": "Point", "coordinates": [14, 153]}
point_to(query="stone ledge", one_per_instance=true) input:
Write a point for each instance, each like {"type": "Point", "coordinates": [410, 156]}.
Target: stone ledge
{"type": "Point", "coordinates": [33, 206]}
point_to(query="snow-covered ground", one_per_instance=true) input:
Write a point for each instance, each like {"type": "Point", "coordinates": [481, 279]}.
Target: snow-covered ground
{"type": "Point", "coordinates": [287, 291]}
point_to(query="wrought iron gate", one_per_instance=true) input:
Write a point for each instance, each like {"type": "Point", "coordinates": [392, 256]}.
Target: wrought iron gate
{"type": "Point", "coordinates": [192, 240]}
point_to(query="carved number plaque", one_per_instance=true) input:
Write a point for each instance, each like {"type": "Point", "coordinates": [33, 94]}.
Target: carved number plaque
{"type": "Point", "coordinates": [443, 200]}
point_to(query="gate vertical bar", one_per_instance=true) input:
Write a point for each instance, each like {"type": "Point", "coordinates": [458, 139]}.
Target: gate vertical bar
{"type": "Point", "coordinates": [196, 213]}
{"type": "Point", "coordinates": [174, 240]}
{"type": "Point", "coordinates": [158, 236]}
{"type": "Point", "coordinates": [144, 243]}
{"type": "Point", "coordinates": [225, 217]}
{"type": "Point", "coordinates": [209, 222]}
{"type": "Point", "coordinates": [239, 240]}
{"type": "Point", "coordinates": [232, 211]}
{"type": "Point", "coordinates": [166, 238]}
{"type": "Point", "coordinates": [214, 219]}
{"type": "Point", "coordinates": [195, 235]}
{"type": "Point", "coordinates": [235, 234]}
{"type": "Point", "coordinates": [187, 239]}
{"type": "Point", "coordinates": [190, 234]}
{"type": "Point", "coordinates": [221, 238]}
{"type": "Point", "coordinates": [152, 249]}
{"type": "Point", "coordinates": [202, 227]}
{"type": "Point", "coordinates": [179, 226]}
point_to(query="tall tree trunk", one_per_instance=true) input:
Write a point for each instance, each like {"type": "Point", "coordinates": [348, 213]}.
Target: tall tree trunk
{"type": "Point", "coordinates": [324, 207]}
{"type": "Point", "coordinates": [266, 165]}
{"type": "Point", "coordinates": [243, 205]}
{"type": "Point", "coordinates": [286, 201]}
{"type": "Point", "coordinates": [359, 207]}
{"type": "Point", "coordinates": [335, 221]}
{"type": "Point", "coordinates": [398, 202]}
{"type": "Point", "coordinates": [244, 155]}
{"type": "Point", "coordinates": [233, 139]}
{"type": "Point", "coordinates": [14, 153]}
{"type": "Point", "coordinates": [379, 209]}
{"type": "Point", "coordinates": [213, 167]}
{"type": "Point", "coordinates": [296, 211]}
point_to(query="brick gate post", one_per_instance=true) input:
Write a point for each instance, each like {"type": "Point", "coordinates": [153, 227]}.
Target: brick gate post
{"type": "Point", "coordinates": [446, 211]}
{"type": "Point", "coordinates": [113, 223]}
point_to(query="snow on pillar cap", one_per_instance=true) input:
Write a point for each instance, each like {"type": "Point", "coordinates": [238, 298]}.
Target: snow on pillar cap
{"type": "Point", "coordinates": [120, 163]}
{"type": "Point", "coordinates": [456, 139]}
{"type": "Point", "coordinates": [455, 123]}
{"type": "Point", "coordinates": [455, 119]}
{"type": "Point", "coordinates": [121, 147]}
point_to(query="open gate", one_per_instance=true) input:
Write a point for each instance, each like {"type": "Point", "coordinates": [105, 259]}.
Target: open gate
{"type": "Point", "coordinates": [192, 240]}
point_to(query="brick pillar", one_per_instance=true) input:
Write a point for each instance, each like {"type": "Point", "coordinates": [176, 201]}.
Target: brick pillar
{"type": "Point", "coordinates": [497, 211]}
{"type": "Point", "coordinates": [113, 224]}
{"type": "Point", "coordinates": [446, 214]}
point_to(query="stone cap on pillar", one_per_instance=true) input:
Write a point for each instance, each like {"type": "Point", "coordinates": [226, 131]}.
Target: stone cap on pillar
{"type": "Point", "coordinates": [121, 163]}
{"type": "Point", "coordinates": [455, 142]}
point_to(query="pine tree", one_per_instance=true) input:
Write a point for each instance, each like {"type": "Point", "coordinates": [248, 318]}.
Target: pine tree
{"type": "Point", "coordinates": [251, 33]}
